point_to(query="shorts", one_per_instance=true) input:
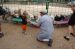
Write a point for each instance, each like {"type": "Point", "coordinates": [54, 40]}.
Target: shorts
{"type": "Point", "coordinates": [72, 21]}
{"type": "Point", "coordinates": [24, 27]}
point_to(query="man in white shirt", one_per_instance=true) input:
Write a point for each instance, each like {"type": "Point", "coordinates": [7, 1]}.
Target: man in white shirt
{"type": "Point", "coordinates": [45, 23]}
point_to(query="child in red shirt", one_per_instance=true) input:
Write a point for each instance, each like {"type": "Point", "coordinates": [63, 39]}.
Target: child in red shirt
{"type": "Point", "coordinates": [24, 22]}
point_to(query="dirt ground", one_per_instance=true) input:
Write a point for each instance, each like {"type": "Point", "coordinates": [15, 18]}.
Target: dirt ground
{"type": "Point", "coordinates": [14, 39]}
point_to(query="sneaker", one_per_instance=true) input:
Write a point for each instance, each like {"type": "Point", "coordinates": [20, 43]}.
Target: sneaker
{"type": "Point", "coordinates": [66, 38]}
{"type": "Point", "coordinates": [45, 40]}
{"type": "Point", "coordinates": [72, 34]}
{"type": "Point", "coordinates": [50, 42]}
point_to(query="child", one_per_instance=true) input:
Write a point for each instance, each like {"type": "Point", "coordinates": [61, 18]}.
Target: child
{"type": "Point", "coordinates": [24, 22]}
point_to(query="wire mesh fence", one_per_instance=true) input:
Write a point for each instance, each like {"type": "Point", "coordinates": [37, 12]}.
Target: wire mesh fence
{"type": "Point", "coordinates": [56, 7]}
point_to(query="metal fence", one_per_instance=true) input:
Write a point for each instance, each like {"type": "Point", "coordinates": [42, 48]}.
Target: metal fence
{"type": "Point", "coordinates": [38, 1]}
{"type": "Point", "coordinates": [54, 7]}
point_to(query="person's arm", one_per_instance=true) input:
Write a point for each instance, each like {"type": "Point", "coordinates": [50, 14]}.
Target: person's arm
{"type": "Point", "coordinates": [37, 24]}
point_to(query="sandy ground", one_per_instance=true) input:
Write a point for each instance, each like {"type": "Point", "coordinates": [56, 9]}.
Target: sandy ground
{"type": "Point", "coordinates": [14, 39]}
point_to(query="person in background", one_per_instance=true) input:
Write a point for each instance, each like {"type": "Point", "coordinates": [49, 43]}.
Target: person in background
{"type": "Point", "coordinates": [34, 19]}
{"type": "Point", "coordinates": [45, 23]}
{"type": "Point", "coordinates": [71, 22]}
{"type": "Point", "coordinates": [62, 17]}
{"type": "Point", "coordinates": [8, 14]}
{"type": "Point", "coordinates": [24, 22]}
{"type": "Point", "coordinates": [1, 33]}
{"type": "Point", "coordinates": [57, 18]}
{"type": "Point", "coordinates": [19, 11]}
{"type": "Point", "coordinates": [1, 14]}
{"type": "Point", "coordinates": [16, 14]}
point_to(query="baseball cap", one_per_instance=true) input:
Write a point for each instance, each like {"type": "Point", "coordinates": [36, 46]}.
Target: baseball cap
{"type": "Point", "coordinates": [44, 11]}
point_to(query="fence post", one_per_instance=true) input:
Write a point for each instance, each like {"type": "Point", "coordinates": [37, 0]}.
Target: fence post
{"type": "Point", "coordinates": [2, 2]}
{"type": "Point", "coordinates": [47, 5]}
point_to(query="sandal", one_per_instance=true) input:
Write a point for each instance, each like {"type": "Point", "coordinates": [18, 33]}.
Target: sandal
{"type": "Point", "coordinates": [66, 38]}
{"type": "Point", "coordinates": [1, 35]}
